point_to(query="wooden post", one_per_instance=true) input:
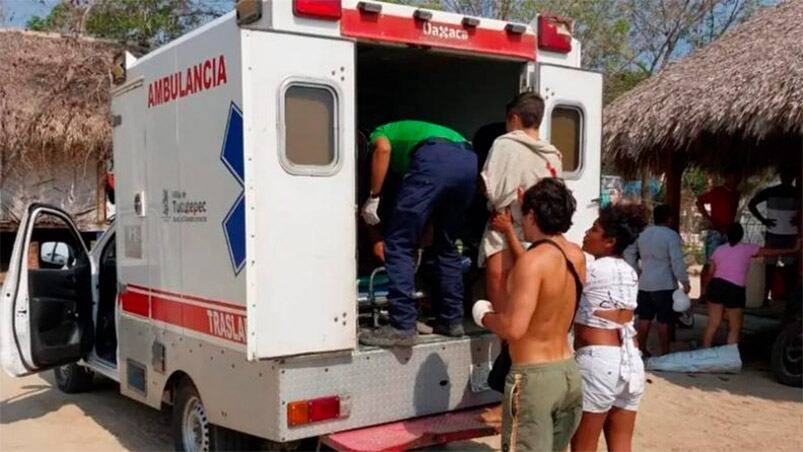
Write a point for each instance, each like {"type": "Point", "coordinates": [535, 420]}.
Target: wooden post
{"type": "Point", "coordinates": [674, 183]}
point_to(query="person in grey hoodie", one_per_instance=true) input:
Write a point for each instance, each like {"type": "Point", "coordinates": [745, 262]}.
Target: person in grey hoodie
{"type": "Point", "coordinates": [516, 162]}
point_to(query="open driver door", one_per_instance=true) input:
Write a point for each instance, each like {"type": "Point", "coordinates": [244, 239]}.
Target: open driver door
{"type": "Point", "coordinates": [46, 299]}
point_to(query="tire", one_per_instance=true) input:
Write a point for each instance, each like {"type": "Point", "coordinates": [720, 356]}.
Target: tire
{"type": "Point", "coordinates": [787, 355]}
{"type": "Point", "coordinates": [192, 431]}
{"type": "Point", "coordinates": [72, 378]}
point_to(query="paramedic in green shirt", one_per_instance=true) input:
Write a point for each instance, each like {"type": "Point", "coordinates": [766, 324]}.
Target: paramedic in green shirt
{"type": "Point", "coordinates": [439, 172]}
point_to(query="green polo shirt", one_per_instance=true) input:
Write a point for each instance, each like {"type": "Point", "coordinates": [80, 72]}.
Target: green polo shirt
{"type": "Point", "coordinates": [405, 135]}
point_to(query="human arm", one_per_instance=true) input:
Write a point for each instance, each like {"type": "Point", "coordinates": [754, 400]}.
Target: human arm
{"type": "Point", "coordinates": [679, 263]}
{"type": "Point", "coordinates": [775, 252]}
{"type": "Point", "coordinates": [753, 207]}
{"type": "Point", "coordinates": [631, 256]}
{"type": "Point", "coordinates": [525, 284]}
{"type": "Point", "coordinates": [702, 200]}
{"type": "Point", "coordinates": [380, 162]}
{"type": "Point", "coordinates": [503, 222]}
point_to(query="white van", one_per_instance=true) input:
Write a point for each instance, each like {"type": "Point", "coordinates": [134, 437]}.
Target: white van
{"type": "Point", "coordinates": [228, 286]}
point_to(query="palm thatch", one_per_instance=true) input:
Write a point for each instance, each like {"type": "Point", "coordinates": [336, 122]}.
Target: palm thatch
{"type": "Point", "coordinates": [735, 105]}
{"type": "Point", "coordinates": [55, 132]}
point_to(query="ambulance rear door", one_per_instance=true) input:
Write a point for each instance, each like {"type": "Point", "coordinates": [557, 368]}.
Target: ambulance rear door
{"type": "Point", "coordinates": [300, 195]}
{"type": "Point", "coordinates": [573, 123]}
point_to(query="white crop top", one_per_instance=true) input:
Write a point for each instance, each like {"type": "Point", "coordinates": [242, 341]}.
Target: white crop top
{"type": "Point", "coordinates": [611, 284]}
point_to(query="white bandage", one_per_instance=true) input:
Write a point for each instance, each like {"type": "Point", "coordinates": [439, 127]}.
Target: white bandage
{"type": "Point", "coordinates": [481, 307]}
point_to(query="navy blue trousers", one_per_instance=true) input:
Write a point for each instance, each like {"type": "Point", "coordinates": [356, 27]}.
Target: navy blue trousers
{"type": "Point", "coordinates": [439, 186]}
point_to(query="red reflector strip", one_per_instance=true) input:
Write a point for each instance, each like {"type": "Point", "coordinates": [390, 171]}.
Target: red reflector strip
{"type": "Point", "coordinates": [408, 30]}
{"type": "Point", "coordinates": [319, 9]}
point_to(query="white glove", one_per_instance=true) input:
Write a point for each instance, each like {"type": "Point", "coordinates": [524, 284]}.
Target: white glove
{"type": "Point", "coordinates": [481, 307]}
{"type": "Point", "coordinates": [369, 211]}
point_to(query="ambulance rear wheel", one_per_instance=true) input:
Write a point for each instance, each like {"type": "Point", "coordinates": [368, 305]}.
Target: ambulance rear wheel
{"type": "Point", "coordinates": [72, 378]}
{"type": "Point", "coordinates": [192, 431]}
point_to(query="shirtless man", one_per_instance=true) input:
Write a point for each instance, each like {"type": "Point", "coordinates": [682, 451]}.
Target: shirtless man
{"type": "Point", "coordinates": [542, 405]}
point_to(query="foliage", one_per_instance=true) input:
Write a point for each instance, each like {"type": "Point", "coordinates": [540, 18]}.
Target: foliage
{"type": "Point", "coordinates": [145, 22]}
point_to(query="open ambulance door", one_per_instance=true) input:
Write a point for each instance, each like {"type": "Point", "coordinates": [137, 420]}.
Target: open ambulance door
{"type": "Point", "coordinates": [573, 123]}
{"type": "Point", "coordinates": [300, 196]}
{"type": "Point", "coordinates": [46, 317]}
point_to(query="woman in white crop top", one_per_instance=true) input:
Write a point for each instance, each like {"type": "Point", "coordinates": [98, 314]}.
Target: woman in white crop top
{"type": "Point", "coordinates": [605, 339]}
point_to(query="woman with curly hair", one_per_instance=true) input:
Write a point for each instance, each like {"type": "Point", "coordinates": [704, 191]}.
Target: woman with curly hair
{"type": "Point", "coordinates": [605, 339]}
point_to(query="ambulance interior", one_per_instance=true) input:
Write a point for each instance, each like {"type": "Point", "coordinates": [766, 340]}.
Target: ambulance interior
{"type": "Point", "coordinates": [467, 93]}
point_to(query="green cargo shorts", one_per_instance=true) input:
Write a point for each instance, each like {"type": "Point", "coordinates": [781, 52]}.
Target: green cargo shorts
{"type": "Point", "coordinates": [542, 407]}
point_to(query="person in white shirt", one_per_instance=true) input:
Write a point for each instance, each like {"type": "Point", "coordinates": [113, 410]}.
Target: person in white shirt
{"type": "Point", "coordinates": [604, 336]}
{"type": "Point", "coordinates": [660, 250]}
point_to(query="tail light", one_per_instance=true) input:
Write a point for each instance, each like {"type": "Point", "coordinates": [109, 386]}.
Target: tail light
{"type": "Point", "coordinates": [302, 412]}
{"type": "Point", "coordinates": [554, 34]}
{"type": "Point", "coordinates": [318, 9]}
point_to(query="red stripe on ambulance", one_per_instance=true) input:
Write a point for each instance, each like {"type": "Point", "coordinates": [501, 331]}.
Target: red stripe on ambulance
{"type": "Point", "coordinates": [136, 303]}
{"type": "Point", "coordinates": [190, 314]}
{"type": "Point", "coordinates": [194, 79]}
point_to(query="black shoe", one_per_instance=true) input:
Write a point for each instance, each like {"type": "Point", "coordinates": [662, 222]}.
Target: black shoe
{"type": "Point", "coordinates": [387, 336]}
{"type": "Point", "coordinates": [455, 330]}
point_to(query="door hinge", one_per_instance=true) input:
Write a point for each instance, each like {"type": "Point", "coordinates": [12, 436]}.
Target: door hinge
{"type": "Point", "coordinates": [116, 120]}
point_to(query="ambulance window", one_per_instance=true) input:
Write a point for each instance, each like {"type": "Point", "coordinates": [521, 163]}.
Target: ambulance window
{"type": "Point", "coordinates": [309, 124]}
{"type": "Point", "coordinates": [566, 134]}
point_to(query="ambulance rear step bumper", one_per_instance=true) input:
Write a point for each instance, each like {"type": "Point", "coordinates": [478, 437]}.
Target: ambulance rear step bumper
{"type": "Point", "coordinates": [413, 433]}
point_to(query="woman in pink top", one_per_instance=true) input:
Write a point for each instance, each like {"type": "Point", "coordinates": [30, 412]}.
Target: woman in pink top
{"type": "Point", "coordinates": [729, 265]}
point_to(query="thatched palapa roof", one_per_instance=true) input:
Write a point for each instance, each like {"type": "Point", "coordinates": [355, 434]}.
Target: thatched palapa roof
{"type": "Point", "coordinates": [54, 122]}
{"type": "Point", "coordinates": [734, 105]}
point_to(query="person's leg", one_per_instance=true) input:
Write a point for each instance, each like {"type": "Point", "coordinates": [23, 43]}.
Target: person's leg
{"type": "Point", "coordinates": [666, 319]}
{"type": "Point", "coordinates": [619, 427]}
{"type": "Point", "coordinates": [645, 313]}
{"type": "Point", "coordinates": [586, 437]}
{"type": "Point", "coordinates": [735, 317]}
{"type": "Point", "coordinates": [414, 204]}
{"type": "Point", "coordinates": [714, 319]}
{"type": "Point", "coordinates": [449, 214]}
{"type": "Point", "coordinates": [643, 334]}
{"type": "Point", "coordinates": [769, 272]}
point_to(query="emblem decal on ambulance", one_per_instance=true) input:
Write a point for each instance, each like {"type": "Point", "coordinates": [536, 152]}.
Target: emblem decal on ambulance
{"type": "Point", "coordinates": [231, 154]}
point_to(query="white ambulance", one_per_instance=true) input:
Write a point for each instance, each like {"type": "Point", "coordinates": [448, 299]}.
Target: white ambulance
{"type": "Point", "coordinates": [227, 288]}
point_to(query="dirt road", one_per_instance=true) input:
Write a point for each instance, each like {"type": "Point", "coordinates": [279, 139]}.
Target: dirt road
{"type": "Point", "coordinates": [745, 412]}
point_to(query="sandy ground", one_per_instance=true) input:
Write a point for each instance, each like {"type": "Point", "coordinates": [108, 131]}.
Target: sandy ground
{"type": "Point", "coordinates": [745, 412]}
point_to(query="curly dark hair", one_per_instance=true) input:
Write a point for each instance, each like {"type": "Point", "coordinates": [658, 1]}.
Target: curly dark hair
{"type": "Point", "coordinates": [623, 222]}
{"type": "Point", "coordinates": [553, 205]}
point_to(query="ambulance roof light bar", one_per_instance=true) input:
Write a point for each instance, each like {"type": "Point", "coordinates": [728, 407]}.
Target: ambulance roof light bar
{"type": "Point", "coordinates": [248, 11]}
{"type": "Point", "coordinates": [318, 9]}
{"type": "Point", "coordinates": [516, 29]}
{"type": "Point", "coordinates": [470, 22]}
{"type": "Point", "coordinates": [554, 33]}
{"type": "Point", "coordinates": [368, 7]}
{"type": "Point", "coordinates": [422, 14]}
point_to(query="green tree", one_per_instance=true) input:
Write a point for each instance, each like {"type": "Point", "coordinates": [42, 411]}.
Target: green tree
{"type": "Point", "coordinates": [146, 22]}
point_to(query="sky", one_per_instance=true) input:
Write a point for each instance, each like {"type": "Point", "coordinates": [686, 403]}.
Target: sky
{"type": "Point", "coordinates": [17, 12]}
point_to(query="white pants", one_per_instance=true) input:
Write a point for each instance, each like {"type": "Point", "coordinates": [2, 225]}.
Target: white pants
{"type": "Point", "coordinates": [604, 386]}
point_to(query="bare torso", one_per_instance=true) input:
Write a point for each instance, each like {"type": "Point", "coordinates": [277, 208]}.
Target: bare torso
{"type": "Point", "coordinates": [546, 339]}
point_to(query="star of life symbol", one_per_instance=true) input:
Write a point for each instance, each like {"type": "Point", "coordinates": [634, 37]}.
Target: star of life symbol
{"type": "Point", "coordinates": [231, 154]}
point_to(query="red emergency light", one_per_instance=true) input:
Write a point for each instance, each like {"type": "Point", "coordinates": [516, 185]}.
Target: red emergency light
{"type": "Point", "coordinates": [554, 33]}
{"type": "Point", "coordinates": [318, 9]}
